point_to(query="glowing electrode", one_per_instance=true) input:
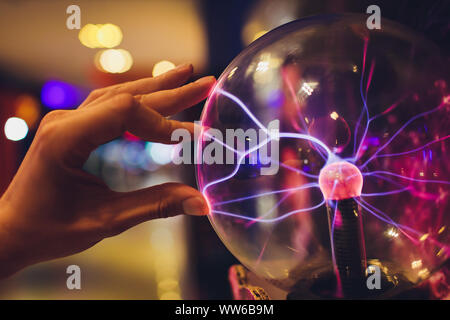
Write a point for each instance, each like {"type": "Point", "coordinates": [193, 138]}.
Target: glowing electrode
{"type": "Point", "coordinates": [340, 180]}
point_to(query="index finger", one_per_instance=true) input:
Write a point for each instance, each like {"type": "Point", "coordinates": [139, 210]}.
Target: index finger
{"type": "Point", "coordinates": [169, 102]}
{"type": "Point", "coordinates": [168, 80]}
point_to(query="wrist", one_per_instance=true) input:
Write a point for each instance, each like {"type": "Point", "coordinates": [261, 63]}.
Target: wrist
{"type": "Point", "coordinates": [11, 260]}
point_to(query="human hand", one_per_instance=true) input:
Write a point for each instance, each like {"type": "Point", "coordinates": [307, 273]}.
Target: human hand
{"type": "Point", "coordinates": [53, 208]}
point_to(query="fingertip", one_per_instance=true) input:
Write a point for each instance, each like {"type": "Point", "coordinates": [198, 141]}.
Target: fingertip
{"type": "Point", "coordinates": [196, 206]}
{"type": "Point", "coordinates": [206, 81]}
{"type": "Point", "coordinates": [190, 126]}
{"type": "Point", "coordinates": [206, 85]}
{"type": "Point", "coordinates": [199, 126]}
{"type": "Point", "coordinates": [185, 67]}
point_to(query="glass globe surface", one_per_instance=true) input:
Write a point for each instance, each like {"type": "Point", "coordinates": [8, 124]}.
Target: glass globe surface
{"type": "Point", "coordinates": [337, 92]}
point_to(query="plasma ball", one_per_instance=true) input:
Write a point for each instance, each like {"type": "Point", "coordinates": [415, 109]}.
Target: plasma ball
{"type": "Point", "coordinates": [340, 180]}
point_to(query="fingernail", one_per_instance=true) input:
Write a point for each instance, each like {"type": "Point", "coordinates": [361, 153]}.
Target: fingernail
{"type": "Point", "coordinates": [205, 80]}
{"type": "Point", "coordinates": [183, 66]}
{"type": "Point", "coordinates": [195, 206]}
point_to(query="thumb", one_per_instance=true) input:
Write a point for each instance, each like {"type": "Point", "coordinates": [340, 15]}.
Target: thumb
{"type": "Point", "coordinates": [161, 201]}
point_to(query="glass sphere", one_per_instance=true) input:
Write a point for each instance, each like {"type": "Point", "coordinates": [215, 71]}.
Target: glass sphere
{"type": "Point", "coordinates": [312, 94]}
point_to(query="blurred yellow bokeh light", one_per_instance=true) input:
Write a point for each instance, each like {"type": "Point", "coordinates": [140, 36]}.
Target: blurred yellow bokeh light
{"type": "Point", "coordinates": [115, 60]}
{"type": "Point", "coordinates": [259, 34]}
{"type": "Point", "coordinates": [100, 35]}
{"type": "Point", "coordinates": [88, 36]}
{"type": "Point", "coordinates": [109, 35]}
{"type": "Point", "coordinates": [161, 67]}
{"type": "Point", "coordinates": [170, 296]}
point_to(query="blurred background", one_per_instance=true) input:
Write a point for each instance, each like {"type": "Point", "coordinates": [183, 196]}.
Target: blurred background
{"type": "Point", "coordinates": [45, 66]}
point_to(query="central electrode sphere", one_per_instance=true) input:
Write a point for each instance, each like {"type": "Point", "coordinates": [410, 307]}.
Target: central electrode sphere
{"type": "Point", "coordinates": [340, 180]}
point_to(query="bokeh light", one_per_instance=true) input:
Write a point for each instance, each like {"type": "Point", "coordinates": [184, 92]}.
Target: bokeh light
{"type": "Point", "coordinates": [27, 108]}
{"type": "Point", "coordinates": [259, 34]}
{"type": "Point", "coordinates": [252, 31]}
{"type": "Point", "coordinates": [109, 35]}
{"type": "Point", "coordinates": [163, 240]}
{"type": "Point", "coordinates": [88, 35]}
{"type": "Point", "coordinates": [160, 153]}
{"type": "Point", "coordinates": [100, 35]}
{"type": "Point", "coordinates": [133, 154]}
{"type": "Point", "coordinates": [57, 94]}
{"type": "Point", "coordinates": [15, 129]}
{"type": "Point", "coordinates": [161, 67]}
{"type": "Point", "coordinates": [171, 295]}
{"type": "Point", "coordinates": [266, 15]}
{"type": "Point", "coordinates": [115, 60]}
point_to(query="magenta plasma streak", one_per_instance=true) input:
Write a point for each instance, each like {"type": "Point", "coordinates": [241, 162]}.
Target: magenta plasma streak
{"type": "Point", "coordinates": [365, 109]}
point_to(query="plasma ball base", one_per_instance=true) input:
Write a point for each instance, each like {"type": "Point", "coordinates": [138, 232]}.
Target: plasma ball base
{"type": "Point", "coordinates": [348, 247]}
{"type": "Point", "coordinates": [324, 285]}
